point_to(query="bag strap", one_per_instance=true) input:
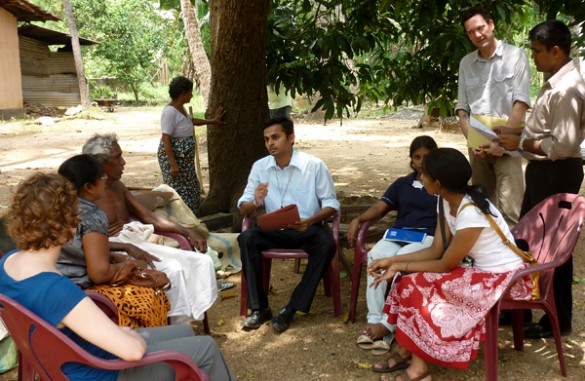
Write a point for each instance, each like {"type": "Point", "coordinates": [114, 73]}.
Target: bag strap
{"type": "Point", "coordinates": [526, 256]}
{"type": "Point", "coordinates": [442, 223]}
{"type": "Point", "coordinates": [442, 220]}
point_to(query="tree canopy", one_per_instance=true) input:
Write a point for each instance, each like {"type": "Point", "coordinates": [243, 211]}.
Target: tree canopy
{"type": "Point", "coordinates": [398, 52]}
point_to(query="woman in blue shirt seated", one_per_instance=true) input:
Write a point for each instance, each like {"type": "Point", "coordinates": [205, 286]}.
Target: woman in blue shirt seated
{"type": "Point", "coordinates": [43, 216]}
{"type": "Point", "coordinates": [416, 210]}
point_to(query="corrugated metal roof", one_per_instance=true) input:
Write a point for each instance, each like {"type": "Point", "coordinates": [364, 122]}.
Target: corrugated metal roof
{"type": "Point", "coordinates": [50, 36]}
{"type": "Point", "coordinates": [25, 11]}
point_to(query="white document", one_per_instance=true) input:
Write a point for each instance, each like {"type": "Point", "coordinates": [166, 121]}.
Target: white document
{"type": "Point", "coordinates": [488, 133]}
{"type": "Point", "coordinates": [485, 131]}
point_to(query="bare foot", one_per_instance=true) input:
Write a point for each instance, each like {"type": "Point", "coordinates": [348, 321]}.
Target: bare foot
{"type": "Point", "coordinates": [375, 331]}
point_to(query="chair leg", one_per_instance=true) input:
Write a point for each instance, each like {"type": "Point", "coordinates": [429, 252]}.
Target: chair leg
{"type": "Point", "coordinates": [243, 296]}
{"type": "Point", "coordinates": [491, 345]}
{"type": "Point", "coordinates": [554, 324]}
{"type": "Point", "coordinates": [297, 265]}
{"type": "Point", "coordinates": [206, 324]}
{"type": "Point", "coordinates": [355, 288]}
{"type": "Point", "coordinates": [518, 329]}
{"type": "Point", "coordinates": [327, 286]}
{"type": "Point", "coordinates": [266, 268]}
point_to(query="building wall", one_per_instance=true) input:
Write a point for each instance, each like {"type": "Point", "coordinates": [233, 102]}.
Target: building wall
{"type": "Point", "coordinates": [48, 78]}
{"type": "Point", "coordinates": [10, 79]}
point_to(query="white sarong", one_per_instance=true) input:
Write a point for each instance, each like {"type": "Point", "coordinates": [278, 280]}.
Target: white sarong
{"type": "Point", "coordinates": [193, 284]}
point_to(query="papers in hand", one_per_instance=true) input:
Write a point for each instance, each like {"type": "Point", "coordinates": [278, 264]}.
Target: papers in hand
{"type": "Point", "coordinates": [484, 131]}
{"type": "Point", "coordinates": [404, 235]}
{"type": "Point", "coordinates": [279, 219]}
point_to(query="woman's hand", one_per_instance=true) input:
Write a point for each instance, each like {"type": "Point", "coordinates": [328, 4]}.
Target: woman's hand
{"type": "Point", "coordinates": [219, 113]}
{"type": "Point", "coordinates": [386, 276]}
{"type": "Point", "coordinates": [141, 255]}
{"type": "Point", "coordinates": [352, 230]}
{"type": "Point", "coordinates": [174, 170]}
{"type": "Point", "coordinates": [378, 266]}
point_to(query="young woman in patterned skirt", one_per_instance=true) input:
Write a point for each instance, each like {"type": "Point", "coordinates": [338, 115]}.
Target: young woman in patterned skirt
{"type": "Point", "coordinates": [439, 308]}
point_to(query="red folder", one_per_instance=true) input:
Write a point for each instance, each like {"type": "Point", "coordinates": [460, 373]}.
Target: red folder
{"type": "Point", "coordinates": [279, 219]}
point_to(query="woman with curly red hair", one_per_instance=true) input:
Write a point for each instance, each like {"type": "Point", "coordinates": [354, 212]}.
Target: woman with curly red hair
{"type": "Point", "coordinates": [42, 217]}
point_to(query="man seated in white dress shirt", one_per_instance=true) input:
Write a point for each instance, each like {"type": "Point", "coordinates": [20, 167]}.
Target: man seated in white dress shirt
{"type": "Point", "coordinates": [286, 177]}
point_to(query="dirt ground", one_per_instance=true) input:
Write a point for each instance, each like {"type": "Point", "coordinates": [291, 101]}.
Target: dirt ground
{"type": "Point", "coordinates": [364, 156]}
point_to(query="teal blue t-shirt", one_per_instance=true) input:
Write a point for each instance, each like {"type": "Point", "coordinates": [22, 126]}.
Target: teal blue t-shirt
{"type": "Point", "coordinates": [52, 296]}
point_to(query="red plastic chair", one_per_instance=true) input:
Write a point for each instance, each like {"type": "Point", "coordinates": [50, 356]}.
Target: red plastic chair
{"type": "Point", "coordinates": [331, 280]}
{"type": "Point", "coordinates": [46, 348]}
{"type": "Point", "coordinates": [360, 258]}
{"type": "Point", "coordinates": [551, 230]}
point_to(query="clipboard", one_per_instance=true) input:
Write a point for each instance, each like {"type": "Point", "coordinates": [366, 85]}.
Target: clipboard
{"type": "Point", "coordinates": [279, 219]}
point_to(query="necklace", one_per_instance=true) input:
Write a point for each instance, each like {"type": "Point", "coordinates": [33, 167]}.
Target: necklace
{"type": "Point", "coordinates": [282, 194]}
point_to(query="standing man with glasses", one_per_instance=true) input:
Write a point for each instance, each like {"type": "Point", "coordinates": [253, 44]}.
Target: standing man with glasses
{"type": "Point", "coordinates": [494, 81]}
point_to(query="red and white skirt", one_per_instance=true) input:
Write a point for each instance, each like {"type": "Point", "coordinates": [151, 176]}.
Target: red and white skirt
{"type": "Point", "coordinates": [440, 317]}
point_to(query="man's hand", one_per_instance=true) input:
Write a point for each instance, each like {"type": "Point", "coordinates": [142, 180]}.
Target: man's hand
{"type": "Point", "coordinates": [260, 193]}
{"type": "Point", "coordinates": [493, 149]}
{"type": "Point", "coordinates": [478, 153]}
{"type": "Point", "coordinates": [197, 241]}
{"type": "Point", "coordinates": [503, 130]}
{"type": "Point", "coordinates": [141, 255]}
{"type": "Point", "coordinates": [301, 225]}
{"type": "Point", "coordinates": [509, 142]}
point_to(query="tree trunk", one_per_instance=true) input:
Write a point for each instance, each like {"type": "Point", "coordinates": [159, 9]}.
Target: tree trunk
{"type": "Point", "coordinates": [238, 83]}
{"type": "Point", "coordinates": [83, 89]}
{"type": "Point", "coordinates": [198, 55]}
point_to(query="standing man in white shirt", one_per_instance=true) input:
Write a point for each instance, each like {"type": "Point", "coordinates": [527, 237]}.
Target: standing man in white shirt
{"type": "Point", "coordinates": [494, 81]}
{"type": "Point", "coordinates": [286, 177]}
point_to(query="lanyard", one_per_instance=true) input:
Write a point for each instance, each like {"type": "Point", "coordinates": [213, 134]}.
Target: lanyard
{"type": "Point", "coordinates": [282, 194]}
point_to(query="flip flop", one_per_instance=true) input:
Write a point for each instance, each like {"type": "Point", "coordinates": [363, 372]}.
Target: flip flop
{"type": "Point", "coordinates": [224, 285]}
{"type": "Point", "coordinates": [405, 377]}
{"type": "Point", "coordinates": [400, 364]}
{"type": "Point", "coordinates": [365, 342]}
{"type": "Point", "coordinates": [380, 347]}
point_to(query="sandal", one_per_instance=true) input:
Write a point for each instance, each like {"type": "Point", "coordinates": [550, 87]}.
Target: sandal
{"type": "Point", "coordinates": [400, 364]}
{"type": "Point", "coordinates": [380, 347]}
{"type": "Point", "coordinates": [405, 377]}
{"type": "Point", "coordinates": [365, 342]}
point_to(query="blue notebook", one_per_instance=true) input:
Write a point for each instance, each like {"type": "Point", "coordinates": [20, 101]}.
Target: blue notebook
{"type": "Point", "coordinates": [404, 235]}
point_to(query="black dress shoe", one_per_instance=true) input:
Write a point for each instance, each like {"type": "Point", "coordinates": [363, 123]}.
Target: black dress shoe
{"type": "Point", "coordinates": [281, 322]}
{"type": "Point", "coordinates": [537, 331]}
{"type": "Point", "coordinates": [505, 318]}
{"type": "Point", "coordinates": [257, 318]}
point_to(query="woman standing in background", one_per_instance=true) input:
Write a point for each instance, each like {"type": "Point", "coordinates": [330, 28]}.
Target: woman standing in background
{"type": "Point", "coordinates": [176, 152]}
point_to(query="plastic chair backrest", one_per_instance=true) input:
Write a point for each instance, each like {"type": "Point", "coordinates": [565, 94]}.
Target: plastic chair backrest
{"type": "Point", "coordinates": [46, 348]}
{"type": "Point", "coordinates": [550, 231]}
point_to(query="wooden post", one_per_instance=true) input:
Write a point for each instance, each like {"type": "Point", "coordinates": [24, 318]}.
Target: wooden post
{"type": "Point", "coordinates": [197, 161]}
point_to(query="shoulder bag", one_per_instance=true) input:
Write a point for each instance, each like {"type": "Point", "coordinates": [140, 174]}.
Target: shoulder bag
{"type": "Point", "coordinates": [525, 255]}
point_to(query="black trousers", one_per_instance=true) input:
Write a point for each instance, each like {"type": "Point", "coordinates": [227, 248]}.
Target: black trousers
{"type": "Point", "coordinates": [544, 179]}
{"type": "Point", "coordinates": [316, 241]}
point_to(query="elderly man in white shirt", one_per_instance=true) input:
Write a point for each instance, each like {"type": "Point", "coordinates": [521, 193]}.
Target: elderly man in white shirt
{"type": "Point", "coordinates": [286, 177]}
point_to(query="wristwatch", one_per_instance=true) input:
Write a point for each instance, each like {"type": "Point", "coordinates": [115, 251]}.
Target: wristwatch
{"type": "Point", "coordinates": [521, 144]}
